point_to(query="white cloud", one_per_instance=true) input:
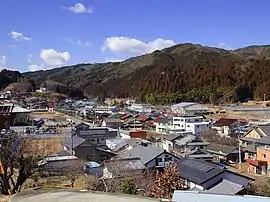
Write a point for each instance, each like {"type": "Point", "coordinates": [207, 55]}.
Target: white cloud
{"type": "Point", "coordinates": [134, 46]}
{"type": "Point", "coordinates": [223, 46]}
{"type": "Point", "coordinates": [80, 8]}
{"type": "Point", "coordinates": [109, 59]}
{"type": "Point", "coordinates": [3, 62]}
{"type": "Point", "coordinates": [78, 42]}
{"type": "Point", "coordinates": [17, 36]}
{"type": "Point", "coordinates": [33, 67]}
{"type": "Point", "coordinates": [54, 58]}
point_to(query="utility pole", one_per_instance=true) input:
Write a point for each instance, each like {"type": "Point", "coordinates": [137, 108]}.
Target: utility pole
{"type": "Point", "coordinates": [239, 147]}
{"type": "Point", "coordinates": [264, 97]}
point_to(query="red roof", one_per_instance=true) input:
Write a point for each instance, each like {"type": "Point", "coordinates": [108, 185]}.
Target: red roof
{"type": "Point", "coordinates": [225, 122]}
{"type": "Point", "coordinates": [125, 116]}
{"type": "Point", "coordinates": [256, 162]}
{"type": "Point", "coordinates": [143, 118]}
{"type": "Point", "coordinates": [158, 118]}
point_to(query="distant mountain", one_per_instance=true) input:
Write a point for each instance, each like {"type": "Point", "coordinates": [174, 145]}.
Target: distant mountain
{"type": "Point", "coordinates": [258, 52]}
{"type": "Point", "coordinates": [184, 72]}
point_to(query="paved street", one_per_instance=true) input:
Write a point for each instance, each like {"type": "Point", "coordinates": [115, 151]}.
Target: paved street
{"type": "Point", "coordinates": [72, 196]}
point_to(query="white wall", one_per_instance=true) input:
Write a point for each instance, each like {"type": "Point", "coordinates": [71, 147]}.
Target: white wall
{"type": "Point", "coordinates": [193, 185]}
{"type": "Point", "coordinates": [196, 125]}
{"type": "Point", "coordinates": [167, 145]}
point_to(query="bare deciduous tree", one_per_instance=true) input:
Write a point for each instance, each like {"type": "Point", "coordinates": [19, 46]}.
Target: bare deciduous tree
{"type": "Point", "coordinates": [166, 182]}
{"type": "Point", "coordinates": [20, 159]}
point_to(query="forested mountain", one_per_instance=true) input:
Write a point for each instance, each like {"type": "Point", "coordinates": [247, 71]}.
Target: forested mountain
{"type": "Point", "coordinates": [184, 72]}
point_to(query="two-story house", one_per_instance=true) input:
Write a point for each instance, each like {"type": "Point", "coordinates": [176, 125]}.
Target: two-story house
{"type": "Point", "coordinates": [186, 144]}
{"type": "Point", "coordinates": [256, 137]}
{"type": "Point", "coordinates": [225, 126]}
{"type": "Point", "coordinates": [151, 156]}
{"type": "Point", "coordinates": [260, 163]}
{"type": "Point", "coordinates": [112, 123]}
{"type": "Point", "coordinates": [89, 143]}
{"type": "Point", "coordinates": [163, 124]}
{"type": "Point", "coordinates": [194, 124]}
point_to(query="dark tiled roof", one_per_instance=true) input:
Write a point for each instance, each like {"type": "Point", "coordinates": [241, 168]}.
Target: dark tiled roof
{"type": "Point", "coordinates": [225, 122]}
{"type": "Point", "coordinates": [173, 136]}
{"type": "Point", "coordinates": [220, 147]}
{"type": "Point", "coordinates": [265, 129]}
{"type": "Point", "coordinates": [198, 171]}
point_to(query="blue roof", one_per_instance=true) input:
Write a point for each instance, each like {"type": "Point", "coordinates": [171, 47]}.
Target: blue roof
{"type": "Point", "coordinates": [92, 164]}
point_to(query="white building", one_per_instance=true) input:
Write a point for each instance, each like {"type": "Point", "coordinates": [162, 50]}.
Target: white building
{"type": "Point", "coordinates": [189, 108]}
{"type": "Point", "coordinates": [141, 108]}
{"type": "Point", "coordinates": [194, 124]}
{"type": "Point", "coordinates": [163, 124]}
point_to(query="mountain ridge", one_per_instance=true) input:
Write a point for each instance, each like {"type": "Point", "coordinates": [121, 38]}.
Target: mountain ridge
{"type": "Point", "coordinates": [182, 72]}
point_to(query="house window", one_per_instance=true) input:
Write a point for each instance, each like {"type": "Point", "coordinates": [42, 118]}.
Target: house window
{"type": "Point", "coordinates": [198, 126]}
{"type": "Point", "coordinates": [264, 155]}
{"type": "Point", "coordinates": [159, 160]}
{"type": "Point", "coordinates": [188, 126]}
{"type": "Point", "coordinates": [92, 140]}
{"type": "Point", "coordinates": [167, 158]}
{"type": "Point", "coordinates": [182, 126]}
{"type": "Point", "coordinates": [182, 119]}
{"type": "Point", "coordinates": [102, 139]}
{"type": "Point", "coordinates": [201, 146]}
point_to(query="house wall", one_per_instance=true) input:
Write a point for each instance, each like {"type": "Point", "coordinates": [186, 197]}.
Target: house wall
{"type": "Point", "coordinates": [263, 154]}
{"type": "Point", "coordinates": [138, 134]}
{"type": "Point", "coordinates": [88, 153]}
{"type": "Point", "coordinates": [196, 125]}
{"type": "Point", "coordinates": [161, 161]}
{"type": "Point", "coordinates": [168, 145]}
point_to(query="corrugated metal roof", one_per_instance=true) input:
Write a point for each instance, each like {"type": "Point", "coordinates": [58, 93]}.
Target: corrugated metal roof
{"type": "Point", "coordinates": [226, 187]}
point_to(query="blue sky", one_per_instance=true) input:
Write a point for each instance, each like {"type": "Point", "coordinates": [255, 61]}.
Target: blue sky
{"type": "Point", "coordinates": [43, 34]}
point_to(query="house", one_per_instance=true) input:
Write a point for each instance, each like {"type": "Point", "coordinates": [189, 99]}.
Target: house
{"type": "Point", "coordinates": [133, 124]}
{"type": "Point", "coordinates": [225, 196]}
{"type": "Point", "coordinates": [193, 124]}
{"type": "Point", "coordinates": [260, 164]}
{"type": "Point", "coordinates": [225, 126]}
{"type": "Point", "coordinates": [162, 124]}
{"type": "Point", "coordinates": [224, 153]}
{"type": "Point", "coordinates": [186, 144]}
{"type": "Point", "coordinates": [256, 137]}
{"type": "Point", "coordinates": [145, 108]}
{"type": "Point", "coordinates": [123, 168]}
{"type": "Point", "coordinates": [112, 123]}
{"type": "Point", "coordinates": [95, 135]}
{"type": "Point", "coordinates": [206, 176]}
{"type": "Point", "coordinates": [5, 116]}
{"type": "Point", "coordinates": [128, 144]}
{"type": "Point", "coordinates": [189, 108]}
{"type": "Point", "coordinates": [126, 134]}
{"type": "Point", "coordinates": [87, 150]}
{"type": "Point", "coordinates": [151, 156]}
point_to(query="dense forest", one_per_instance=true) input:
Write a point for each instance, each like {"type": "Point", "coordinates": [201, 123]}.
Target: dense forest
{"type": "Point", "coordinates": [184, 72]}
